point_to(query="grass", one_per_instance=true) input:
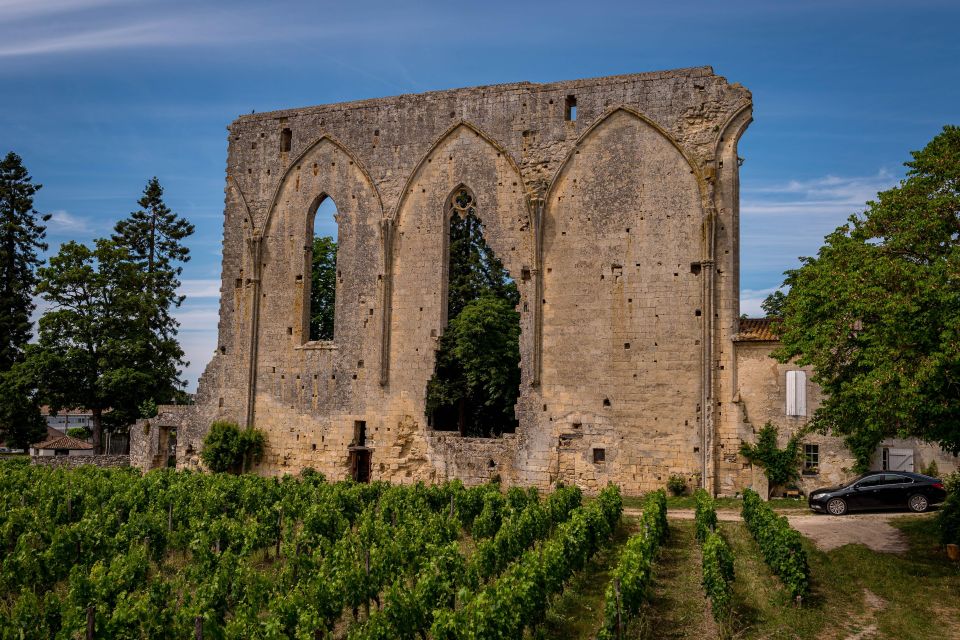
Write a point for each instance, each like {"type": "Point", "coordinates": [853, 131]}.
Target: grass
{"type": "Point", "coordinates": [578, 611]}
{"type": "Point", "coordinates": [856, 593]}
{"type": "Point", "coordinates": [678, 608]}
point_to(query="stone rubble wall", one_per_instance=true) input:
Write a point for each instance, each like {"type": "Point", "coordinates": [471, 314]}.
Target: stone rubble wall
{"type": "Point", "coordinates": [72, 462]}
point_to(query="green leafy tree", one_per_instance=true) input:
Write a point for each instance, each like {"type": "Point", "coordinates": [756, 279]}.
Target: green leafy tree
{"type": "Point", "coordinates": [154, 239]}
{"type": "Point", "coordinates": [94, 347]}
{"type": "Point", "coordinates": [772, 305]}
{"type": "Point", "coordinates": [877, 312]}
{"type": "Point", "coordinates": [323, 288]}
{"type": "Point", "coordinates": [21, 241]}
{"type": "Point", "coordinates": [477, 376]}
{"type": "Point", "coordinates": [20, 421]}
{"type": "Point", "coordinates": [780, 465]}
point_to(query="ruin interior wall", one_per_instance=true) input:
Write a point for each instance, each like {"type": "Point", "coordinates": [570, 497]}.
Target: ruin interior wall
{"type": "Point", "coordinates": [611, 201]}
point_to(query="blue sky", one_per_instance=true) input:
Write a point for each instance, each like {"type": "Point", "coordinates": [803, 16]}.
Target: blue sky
{"type": "Point", "coordinates": [99, 95]}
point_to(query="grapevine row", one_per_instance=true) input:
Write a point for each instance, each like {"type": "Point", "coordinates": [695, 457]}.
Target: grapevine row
{"type": "Point", "coordinates": [410, 610]}
{"type": "Point", "coordinates": [779, 543]}
{"type": "Point", "coordinates": [519, 598]}
{"type": "Point", "coordinates": [631, 578]}
{"type": "Point", "coordinates": [718, 572]}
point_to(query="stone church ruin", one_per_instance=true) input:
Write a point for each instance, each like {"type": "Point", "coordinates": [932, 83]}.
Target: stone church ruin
{"type": "Point", "coordinates": [612, 204]}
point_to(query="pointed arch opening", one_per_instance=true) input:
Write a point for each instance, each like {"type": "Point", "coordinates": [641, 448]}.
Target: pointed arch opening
{"type": "Point", "coordinates": [476, 379]}
{"type": "Point", "coordinates": [321, 299]}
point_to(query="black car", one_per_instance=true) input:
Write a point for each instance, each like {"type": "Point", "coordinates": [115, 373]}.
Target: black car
{"type": "Point", "coordinates": [880, 490]}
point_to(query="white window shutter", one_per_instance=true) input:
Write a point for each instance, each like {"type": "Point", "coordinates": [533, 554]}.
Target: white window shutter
{"type": "Point", "coordinates": [796, 393]}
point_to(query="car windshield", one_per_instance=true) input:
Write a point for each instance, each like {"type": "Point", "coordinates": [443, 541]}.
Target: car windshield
{"type": "Point", "coordinates": [860, 477]}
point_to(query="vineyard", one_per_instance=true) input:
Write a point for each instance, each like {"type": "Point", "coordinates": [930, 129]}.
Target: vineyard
{"type": "Point", "coordinates": [113, 554]}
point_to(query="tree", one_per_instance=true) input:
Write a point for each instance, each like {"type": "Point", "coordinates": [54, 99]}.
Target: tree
{"type": "Point", "coordinates": [877, 312]}
{"type": "Point", "coordinates": [21, 239]}
{"type": "Point", "coordinates": [153, 238]}
{"type": "Point", "coordinates": [772, 305]}
{"type": "Point", "coordinates": [95, 348]}
{"type": "Point", "coordinates": [323, 288]}
{"type": "Point", "coordinates": [20, 421]}
{"type": "Point", "coordinates": [477, 376]}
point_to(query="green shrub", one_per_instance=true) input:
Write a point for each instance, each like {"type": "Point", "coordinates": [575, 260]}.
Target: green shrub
{"type": "Point", "coordinates": [677, 484]}
{"type": "Point", "coordinates": [952, 482]}
{"type": "Point", "coordinates": [718, 577]}
{"type": "Point", "coordinates": [779, 543]}
{"type": "Point", "coordinates": [227, 447]}
{"type": "Point", "coordinates": [948, 519]}
{"type": "Point", "coordinates": [931, 469]}
{"type": "Point", "coordinates": [705, 516]}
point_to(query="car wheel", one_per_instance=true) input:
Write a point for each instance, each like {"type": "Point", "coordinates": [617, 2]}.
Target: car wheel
{"type": "Point", "coordinates": [837, 506]}
{"type": "Point", "coordinates": [918, 503]}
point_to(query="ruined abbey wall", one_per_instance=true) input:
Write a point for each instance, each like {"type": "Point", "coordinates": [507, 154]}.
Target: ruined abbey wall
{"type": "Point", "coordinates": [611, 201]}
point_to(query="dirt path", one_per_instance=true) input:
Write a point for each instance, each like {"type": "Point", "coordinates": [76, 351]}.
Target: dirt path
{"type": "Point", "coordinates": [678, 608]}
{"type": "Point", "coordinates": [829, 532]}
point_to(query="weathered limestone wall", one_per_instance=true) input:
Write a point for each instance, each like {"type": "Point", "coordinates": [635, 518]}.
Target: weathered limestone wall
{"type": "Point", "coordinates": [72, 462]}
{"type": "Point", "coordinates": [762, 398]}
{"type": "Point", "coordinates": [619, 227]}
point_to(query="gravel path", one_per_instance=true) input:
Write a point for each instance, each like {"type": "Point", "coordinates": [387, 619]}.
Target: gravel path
{"type": "Point", "coordinates": [829, 532]}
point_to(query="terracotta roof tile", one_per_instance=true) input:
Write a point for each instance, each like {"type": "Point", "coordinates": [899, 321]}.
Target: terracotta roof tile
{"type": "Point", "coordinates": [63, 442]}
{"type": "Point", "coordinates": [756, 330]}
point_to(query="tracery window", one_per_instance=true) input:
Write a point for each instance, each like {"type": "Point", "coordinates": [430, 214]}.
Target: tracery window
{"type": "Point", "coordinates": [477, 377]}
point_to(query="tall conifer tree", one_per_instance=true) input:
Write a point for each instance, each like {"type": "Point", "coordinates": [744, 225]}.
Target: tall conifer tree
{"type": "Point", "coordinates": [21, 241]}
{"type": "Point", "coordinates": [153, 237]}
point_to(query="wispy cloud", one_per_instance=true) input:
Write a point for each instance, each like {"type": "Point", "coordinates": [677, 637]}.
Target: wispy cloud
{"type": "Point", "coordinates": [200, 289]}
{"type": "Point", "coordinates": [64, 223]}
{"type": "Point", "coordinates": [751, 299]}
{"type": "Point", "coordinates": [49, 27]}
{"type": "Point", "coordinates": [11, 10]}
{"type": "Point", "coordinates": [833, 196]}
{"type": "Point", "coordinates": [785, 220]}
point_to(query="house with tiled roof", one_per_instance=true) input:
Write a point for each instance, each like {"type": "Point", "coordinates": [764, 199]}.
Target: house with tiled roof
{"type": "Point", "coordinates": [58, 444]}
{"type": "Point", "coordinates": [785, 395]}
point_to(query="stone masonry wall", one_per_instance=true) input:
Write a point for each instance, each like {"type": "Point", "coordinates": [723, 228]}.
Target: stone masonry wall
{"type": "Point", "coordinates": [619, 226]}
{"type": "Point", "coordinates": [72, 462]}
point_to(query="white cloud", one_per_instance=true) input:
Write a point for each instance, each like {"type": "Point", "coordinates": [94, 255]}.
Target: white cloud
{"type": "Point", "coordinates": [11, 10]}
{"type": "Point", "coordinates": [200, 289]}
{"type": "Point", "coordinates": [751, 299]}
{"type": "Point", "coordinates": [785, 220]}
{"type": "Point", "coordinates": [204, 318]}
{"type": "Point", "coordinates": [198, 348]}
{"type": "Point", "coordinates": [63, 223]}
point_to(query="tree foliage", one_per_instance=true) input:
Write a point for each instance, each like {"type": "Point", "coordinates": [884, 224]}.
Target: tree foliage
{"type": "Point", "coordinates": [477, 376]}
{"type": "Point", "coordinates": [153, 237]}
{"type": "Point", "coordinates": [21, 240]}
{"type": "Point", "coordinates": [94, 347]}
{"type": "Point", "coordinates": [227, 447]}
{"type": "Point", "coordinates": [323, 288]}
{"type": "Point", "coordinates": [780, 465]}
{"type": "Point", "coordinates": [877, 311]}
